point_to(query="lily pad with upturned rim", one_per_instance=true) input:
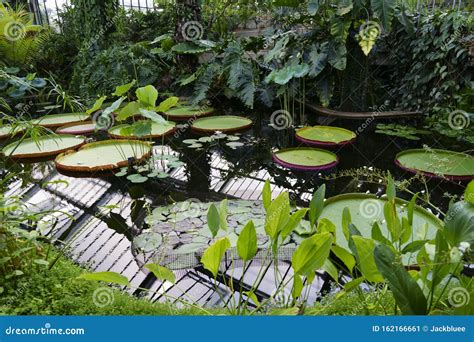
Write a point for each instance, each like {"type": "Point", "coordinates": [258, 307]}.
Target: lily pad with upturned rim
{"type": "Point", "coordinates": [183, 113]}
{"type": "Point", "coordinates": [105, 155]}
{"type": "Point", "coordinates": [437, 163]}
{"type": "Point", "coordinates": [58, 120]}
{"type": "Point", "coordinates": [325, 136]}
{"type": "Point", "coordinates": [365, 209]}
{"type": "Point", "coordinates": [45, 146]}
{"type": "Point", "coordinates": [8, 131]}
{"type": "Point", "coordinates": [78, 128]}
{"type": "Point", "coordinates": [158, 130]}
{"type": "Point", "coordinates": [305, 158]}
{"type": "Point", "coordinates": [222, 123]}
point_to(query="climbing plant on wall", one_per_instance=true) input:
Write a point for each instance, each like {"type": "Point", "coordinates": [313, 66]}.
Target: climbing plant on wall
{"type": "Point", "coordinates": [95, 18]}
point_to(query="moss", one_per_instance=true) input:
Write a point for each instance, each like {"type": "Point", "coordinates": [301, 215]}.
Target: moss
{"type": "Point", "coordinates": [356, 303]}
{"type": "Point", "coordinates": [59, 292]}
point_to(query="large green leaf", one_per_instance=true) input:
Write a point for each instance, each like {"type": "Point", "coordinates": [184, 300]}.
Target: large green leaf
{"type": "Point", "coordinates": [277, 215]}
{"type": "Point", "coordinates": [469, 193]}
{"type": "Point", "coordinates": [311, 253]}
{"type": "Point", "coordinates": [407, 293]}
{"type": "Point", "coordinates": [313, 6]}
{"type": "Point", "coordinates": [213, 219]}
{"type": "Point", "coordinates": [267, 195]}
{"type": "Point", "coordinates": [167, 104]}
{"type": "Point", "coordinates": [147, 96]}
{"type": "Point", "coordinates": [384, 9]}
{"type": "Point", "coordinates": [247, 242]}
{"type": "Point", "coordinates": [131, 108]}
{"type": "Point", "coordinates": [317, 204]}
{"type": "Point", "coordinates": [123, 89]}
{"type": "Point", "coordinates": [365, 258]}
{"type": "Point", "coordinates": [293, 222]}
{"type": "Point", "coordinates": [161, 273]}
{"type": "Point", "coordinates": [459, 224]}
{"type": "Point", "coordinates": [223, 215]}
{"type": "Point", "coordinates": [213, 255]}
{"type": "Point", "coordinates": [97, 105]}
{"type": "Point", "coordinates": [346, 257]}
{"type": "Point", "coordinates": [108, 277]}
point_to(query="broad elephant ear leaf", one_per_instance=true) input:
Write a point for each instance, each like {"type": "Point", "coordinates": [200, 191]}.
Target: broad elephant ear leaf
{"type": "Point", "coordinates": [408, 295]}
{"type": "Point", "coordinates": [459, 224]}
{"type": "Point", "coordinates": [385, 10]}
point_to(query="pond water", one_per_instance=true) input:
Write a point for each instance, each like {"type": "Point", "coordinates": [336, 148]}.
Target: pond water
{"type": "Point", "coordinates": [372, 152]}
{"type": "Point", "coordinates": [241, 170]}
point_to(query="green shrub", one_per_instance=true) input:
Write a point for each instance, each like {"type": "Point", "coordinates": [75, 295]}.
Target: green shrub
{"type": "Point", "coordinates": [59, 292]}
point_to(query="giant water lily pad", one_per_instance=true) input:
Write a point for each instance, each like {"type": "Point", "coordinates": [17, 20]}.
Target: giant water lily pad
{"type": "Point", "coordinates": [42, 147]}
{"type": "Point", "coordinates": [157, 130]}
{"type": "Point", "coordinates": [365, 209]}
{"type": "Point", "coordinates": [8, 131]}
{"type": "Point", "coordinates": [305, 158]}
{"type": "Point", "coordinates": [58, 120]}
{"type": "Point", "coordinates": [105, 155]}
{"type": "Point", "coordinates": [222, 123]}
{"type": "Point", "coordinates": [78, 128]}
{"type": "Point", "coordinates": [184, 113]}
{"type": "Point", "coordinates": [437, 163]}
{"type": "Point", "coordinates": [325, 136]}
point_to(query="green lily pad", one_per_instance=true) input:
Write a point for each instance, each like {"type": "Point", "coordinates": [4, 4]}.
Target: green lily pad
{"type": "Point", "coordinates": [157, 130]}
{"type": "Point", "coordinates": [222, 123]}
{"type": "Point", "coordinates": [7, 131]}
{"type": "Point", "coordinates": [45, 146]}
{"type": "Point", "coordinates": [366, 209]}
{"type": "Point", "coordinates": [58, 120]}
{"type": "Point", "coordinates": [78, 128]}
{"type": "Point", "coordinates": [188, 112]}
{"type": "Point", "coordinates": [148, 241]}
{"type": "Point", "coordinates": [305, 158]}
{"type": "Point", "coordinates": [437, 163]}
{"type": "Point", "coordinates": [103, 156]}
{"type": "Point", "coordinates": [325, 135]}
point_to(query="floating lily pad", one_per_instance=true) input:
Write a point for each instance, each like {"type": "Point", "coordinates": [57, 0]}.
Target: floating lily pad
{"type": "Point", "coordinates": [158, 130]}
{"type": "Point", "coordinates": [58, 120]}
{"type": "Point", "coordinates": [366, 209]}
{"type": "Point", "coordinates": [325, 136]}
{"type": "Point", "coordinates": [103, 156]}
{"type": "Point", "coordinates": [8, 131]}
{"type": "Point", "coordinates": [78, 128]}
{"type": "Point", "coordinates": [222, 123]}
{"type": "Point", "coordinates": [184, 113]}
{"type": "Point", "coordinates": [306, 158]}
{"type": "Point", "coordinates": [234, 144]}
{"type": "Point", "coordinates": [437, 163]}
{"type": "Point", "coordinates": [186, 235]}
{"type": "Point", "coordinates": [45, 146]}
